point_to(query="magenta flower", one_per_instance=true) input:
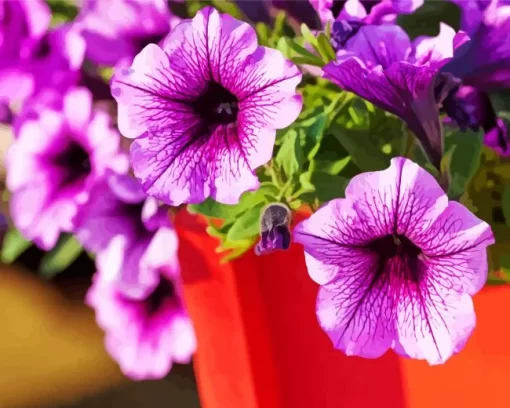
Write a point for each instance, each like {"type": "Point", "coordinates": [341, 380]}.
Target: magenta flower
{"type": "Point", "coordinates": [117, 30]}
{"type": "Point", "coordinates": [136, 292]}
{"type": "Point", "coordinates": [397, 264]}
{"type": "Point", "coordinates": [365, 11]}
{"type": "Point", "coordinates": [484, 61]}
{"type": "Point", "coordinates": [204, 109]}
{"type": "Point", "coordinates": [22, 22]}
{"type": "Point", "coordinates": [58, 155]}
{"type": "Point", "coordinates": [382, 65]}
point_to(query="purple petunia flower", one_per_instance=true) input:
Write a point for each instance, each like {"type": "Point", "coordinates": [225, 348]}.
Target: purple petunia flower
{"type": "Point", "coordinates": [22, 22]}
{"type": "Point", "coordinates": [136, 291]}
{"type": "Point", "coordinates": [274, 229]}
{"type": "Point", "coordinates": [382, 65]}
{"type": "Point", "coordinates": [117, 30]}
{"type": "Point", "coordinates": [204, 109]}
{"type": "Point", "coordinates": [397, 264]}
{"type": "Point", "coordinates": [364, 11]}
{"type": "Point", "coordinates": [484, 61]}
{"type": "Point", "coordinates": [472, 12]}
{"type": "Point", "coordinates": [58, 155]}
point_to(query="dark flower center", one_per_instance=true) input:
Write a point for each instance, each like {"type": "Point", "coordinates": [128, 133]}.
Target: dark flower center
{"type": "Point", "coordinates": [402, 252]}
{"type": "Point", "coordinates": [74, 162]}
{"type": "Point", "coordinates": [164, 291]}
{"type": "Point", "coordinates": [216, 106]}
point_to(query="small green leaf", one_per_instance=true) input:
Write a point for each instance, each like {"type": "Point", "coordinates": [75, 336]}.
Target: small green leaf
{"type": "Point", "coordinates": [67, 250]}
{"type": "Point", "coordinates": [464, 161]}
{"type": "Point", "coordinates": [364, 154]}
{"type": "Point", "coordinates": [211, 208]}
{"type": "Point", "coordinates": [505, 203]}
{"type": "Point", "coordinates": [300, 51]}
{"type": "Point", "coordinates": [228, 7]}
{"type": "Point", "coordinates": [332, 167]}
{"type": "Point", "coordinates": [308, 35]}
{"type": "Point", "coordinates": [305, 179]}
{"type": "Point", "coordinates": [247, 225]}
{"type": "Point", "coordinates": [237, 249]}
{"type": "Point", "coordinates": [325, 49]}
{"type": "Point", "coordinates": [290, 155]}
{"type": "Point", "coordinates": [328, 186]}
{"type": "Point", "coordinates": [316, 62]}
{"type": "Point", "coordinates": [263, 33]}
{"type": "Point", "coordinates": [13, 246]}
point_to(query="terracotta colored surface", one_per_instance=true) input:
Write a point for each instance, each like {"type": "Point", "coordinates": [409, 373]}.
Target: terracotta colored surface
{"type": "Point", "coordinates": [260, 345]}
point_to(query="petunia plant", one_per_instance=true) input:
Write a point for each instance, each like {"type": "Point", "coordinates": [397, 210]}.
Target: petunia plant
{"type": "Point", "coordinates": [390, 141]}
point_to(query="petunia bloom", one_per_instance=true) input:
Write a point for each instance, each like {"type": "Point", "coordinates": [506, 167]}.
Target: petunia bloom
{"type": "Point", "coordinates": [383, 66]}
{"type": "Point", "coordinates": [364, 11]}
{"type": "Point", "coordinates": [397, 264]}
{"type": "Point", "coordinates": [136, 292]}
{"type": "Point", "coordinates": [22, 22]}
{"type": "Point", "coordinates": [116, 30]}
{"type": "Point", "coordinates": [57, 156]}
{"type": "Point", "coordinates": [274, 229]}
{"type": "Point", "coordinates": [204, 109]}
{"type": "Point", "coordinates": [484, 61]}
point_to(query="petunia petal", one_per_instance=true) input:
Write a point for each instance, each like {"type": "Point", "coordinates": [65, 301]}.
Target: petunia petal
{"type": "Point", "coordinates": [403, 89]}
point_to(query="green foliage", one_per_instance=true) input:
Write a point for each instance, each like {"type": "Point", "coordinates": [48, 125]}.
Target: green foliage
{"type": "Point", "coordinates": [62, 11]}
{"type": "Point", "coordinates": [67, 250]}
{"type": "Point", "coordinates": [13, 246]}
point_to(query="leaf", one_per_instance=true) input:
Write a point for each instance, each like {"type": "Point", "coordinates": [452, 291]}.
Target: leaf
{"type": "Point", "coordinates": [228, 7]}
{"type": "Point", "coordinates": [325, 49]}
{"type": "Point", "coordinates": [238, 248]}
{"type": "Point", "coordinates": [13, 245]}
{"type": "Point", "coordinates": [283, 46]}
{"type": "Point", "coordinates": [505, 203]}
{"type": "Point", "coordinates": [290, 155]}
{"type": "Point", "coordinates": [67, 250]}
{"type": "Point", "coordinates": [364, 154]}
{"type": "Point", "coordinates": [314, 130]}
{"type": "Point", "coordinates": [464, 161]}
{"type": "Point", "coordinates": [300, 51]}
{"type": "Point", "coordinates": [332, 167]}
{"type": "Point", "coordinates": [210, 208]}
{"type": "Point", "coordinates": [247, 225]}
{"type": "Point", "coordinates": [328, 186]}
{"type": "Point", "coordinates": [308, 35]}
{"type": "Point", "coordinates": [263, 33]}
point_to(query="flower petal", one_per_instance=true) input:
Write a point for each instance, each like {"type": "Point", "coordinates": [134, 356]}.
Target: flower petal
{"type": "Point", "coordinates": [403, 89]}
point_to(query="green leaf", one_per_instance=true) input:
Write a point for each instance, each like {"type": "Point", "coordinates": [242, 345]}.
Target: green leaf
{"type": "Point", "coordinates": [325, 49]}
{"type": "Point", "coordinates": [67, 250]}
{"type": "Point", "coordinates": [364, 154]}
{"type": "Point", "coordinates": [328, 186]}
{"type": "Point", "coordinates": [228, 7]}
{"type": "Point", "coordinates": [263, 33]}
{"type": "Point", "coordinates": [210, 208]}
{"type": "Point", "coordinates": [285, 44]}
{"type": "Point", "coordinates": [290, 155]}
{"type": "Point", "coordinates": [317, 62]}
{"type": "Point", "coordinates": [505, 203]}
{"type": "Point", "coordinates": [464, 161]}
{"type": "Point", "coordinates": [314, 131]}
{"type": "Point", "coordinates": [237, 249]}
{"type": "Point", "coordinates": [332, 167]}
{"type": "Point", "coordinates": [13, 245]}
{"type": "Point", "coordinates": [308, 35]}
{"type": "Point", "coordinates": [247, 225]}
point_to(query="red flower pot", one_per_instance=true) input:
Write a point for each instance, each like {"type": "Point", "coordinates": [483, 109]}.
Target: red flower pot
{"type": "Point", "coordinates": [260, 346]}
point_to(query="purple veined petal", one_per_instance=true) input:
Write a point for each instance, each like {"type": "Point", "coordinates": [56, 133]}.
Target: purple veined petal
{"type": "Point", "coordinates": [355, 315]}
{"type": "Point", "coordinates": [435, 49]}
{"type": "Point", "coordinates": [379, 45]}
{"type": "Point", "coordinates": [484, 62]}
{"type": "Point", "coordinates": [455, 246]}
{"type": "Point", "coordinates": [126, 188]}
{"type": "Point", "coordinates": [404, 89]}
{"type": "Point", "coordinates": [205, 118]}
{"type": "Point", "coordinates": [433, 322]}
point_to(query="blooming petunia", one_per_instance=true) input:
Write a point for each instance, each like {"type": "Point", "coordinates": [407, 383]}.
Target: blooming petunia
{"type": "Point", "coordinates": [365, 11]}
{"type": "Point", "coordinates": [57, 156]}
{"type": "Point", "coordinates": [22, 22]}
{"type": "Point", "coordinates": [397, 264]}
{"type": "Point", "coordinates": [382, 65]}
{"type": "Point", "coordinates": [484, 61]}
{"type": "Point", "coordinates": [116, 30]}
{"type": "Point", "coordinates": [204, 109]}
{"type": "Point", "coordinates": [274, 229]}
{"type": "Point", "coordinates": [136, 291]}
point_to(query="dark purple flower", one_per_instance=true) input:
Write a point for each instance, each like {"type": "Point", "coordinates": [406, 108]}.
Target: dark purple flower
{"type": "Point", "coordinates": [59, 154]}
{"type": "Point", "coordinates": [136, 292]}
{"type": "Point", "coordinates": [365, 11]}
{"type": "Point", "coordinates": [117, 30]}
{"type": "Point", "coordinates": [382, 65]}
{"type": "Point", "coordinates": [22, 22]}
{"type": "Point", "coordinates": [484, 61]}
{"type": "Point", "coordinates": [274, 229]}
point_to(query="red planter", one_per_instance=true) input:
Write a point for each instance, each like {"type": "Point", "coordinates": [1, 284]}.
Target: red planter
{"type": "Point", "coordinates": [260, 345]}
